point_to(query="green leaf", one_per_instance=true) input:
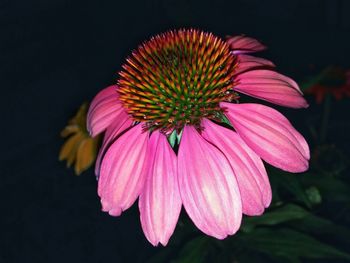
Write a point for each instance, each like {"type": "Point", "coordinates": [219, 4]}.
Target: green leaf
{"type": "Point", "coordinates": [286, 213]}
{"type": "Point", "coordinates": [290, 245]}
{"type": "Point", "coordinates": [179, 135]}
{"type": "Point", "coordinates": [162, 255]}
{"type": "Point", "coordinates": [225, 120]}
{"type": "Point", "coordinates": [305, 85]}
{"type": "Point", "coordinates": [320, 226]}
{"type": "Point", "coordinates": [330, 188]}
{"type": "Point", "coordinates": [172, 138]}
{"type": "Point", "coordinates": [314, 195]}
{"type": "Point", "coordinates": [289, 182]}
{"type": "Point", "coordinates": [316, 79]}
{"type": "Point", "coordinates": [195, 251]}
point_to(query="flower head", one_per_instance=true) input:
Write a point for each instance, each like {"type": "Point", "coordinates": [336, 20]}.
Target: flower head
{"type": "Point", "coordinates": [176, 135]}
{"type": "Point", "coordinates": [176, 79]}
{"type": "Point", "coordinates": [334, 81]}
{"type": "Point", "coordinates": [79, 147]}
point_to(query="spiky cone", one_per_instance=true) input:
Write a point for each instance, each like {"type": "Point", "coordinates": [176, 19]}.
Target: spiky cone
{"type": "Point", "coordinates": [79, 148]}
{"type": "Point", "coordinates": [179, 85]}
{"type": "Point", "coordinates": [176, 134]}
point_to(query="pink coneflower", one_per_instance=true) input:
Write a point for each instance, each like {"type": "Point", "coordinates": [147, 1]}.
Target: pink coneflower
{"type": "Point", "coordinates": [176, 134]}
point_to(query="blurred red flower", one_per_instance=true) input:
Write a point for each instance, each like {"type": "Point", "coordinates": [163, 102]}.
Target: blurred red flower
{"type": "Point", "coordinates": [334, 81]}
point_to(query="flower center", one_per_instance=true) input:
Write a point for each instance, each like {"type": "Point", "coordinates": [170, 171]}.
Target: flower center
{"type": "Point", "coordinates": [177, 78]}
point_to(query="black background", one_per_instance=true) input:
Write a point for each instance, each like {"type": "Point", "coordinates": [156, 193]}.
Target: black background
{"type": "Point", "coordinates": [56, 54]}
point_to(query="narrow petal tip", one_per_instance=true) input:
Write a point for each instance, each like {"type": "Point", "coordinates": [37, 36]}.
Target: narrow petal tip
{"type": "Point", "coordinates": [115, 212]}
{"type": "Point", "coordinates": [121, 181]}
{"type": "Point", "coordinates": [271, 86]}
{"type": "Point", "coordinates": [243, 44]}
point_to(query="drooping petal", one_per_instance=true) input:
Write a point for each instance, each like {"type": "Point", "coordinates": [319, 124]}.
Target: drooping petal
{"type": "Point", "coordinates": [271, 86]}
{"type": "Point", "coordinates": [268, 133]}
{"type": "Point", "coordinates": [160, 201]}
{"type": "Point", "coordinates": [104, 108]}
{"type": "Point", "coordinates": [106, 92]}
{"type": "Point", "coordinates": [247, 62]}
{"type": "Point", "coordinates": [123, 171]}
{"type": "Point", "coordinates": [243, 44]}
{"type": "Point", "coordinates": [86, 154]}
{"type": "Point", "coordinates": [208, 186]}
{"type": "Point", "coordinates": [121, 123]}
{"type": "Point", "coordinates": [248, 168]}
{"type": "Point", "coordinates": [69, 148]}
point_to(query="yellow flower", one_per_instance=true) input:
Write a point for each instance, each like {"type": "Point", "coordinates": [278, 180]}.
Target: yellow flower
{"type": "Point", "coordinates": [79, 148]}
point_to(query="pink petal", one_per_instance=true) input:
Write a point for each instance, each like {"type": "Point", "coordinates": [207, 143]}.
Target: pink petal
{"type": "Point", "coordinates": [271, 86]}
{"type": "Point", "coordinates": [160, 201]}
{"type": "Point", "coordinates": [104, 108]}
{"type": "Point", "coordinates": [123, 171]}
{"type": "Point", "coordinates": [106, 92]}
{"type": "Point", "coordinates": [248, 168]}
{"type": "Point", "coordinates": [208, 187]}
{"type": "Point", "coordinates": [247, 62]}
{"type": "Point", "coordinates": [243, 44]}
{"type": "Point", "coordinates": [270, 135]}
{"type": "Point", "coordinates": [121, 123]}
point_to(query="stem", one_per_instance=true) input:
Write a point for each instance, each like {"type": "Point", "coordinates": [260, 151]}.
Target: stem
{"type": "Point", "coordinates": [325, 119]}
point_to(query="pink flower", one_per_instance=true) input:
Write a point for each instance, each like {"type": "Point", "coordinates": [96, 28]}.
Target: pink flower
{"type": "Point", "coordinates": [176, 135]}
